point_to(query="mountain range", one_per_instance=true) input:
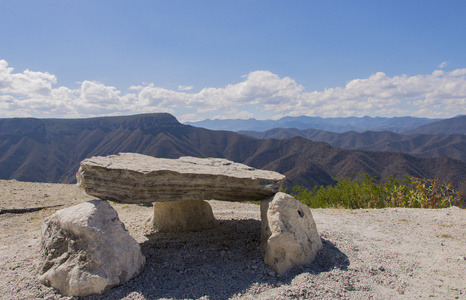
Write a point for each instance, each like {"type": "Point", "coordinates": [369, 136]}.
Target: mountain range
{"type": "Point", "coordinates": [456, 125]}
{"type": "Point", "coordinates": [50, 150]}
{"type": "Point", "coordinates": [422, 145]}
{"type": "Point", "coordinates": [339, 125]}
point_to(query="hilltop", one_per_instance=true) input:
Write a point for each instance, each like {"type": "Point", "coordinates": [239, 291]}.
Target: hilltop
{"type": "Point", "coordinates": [394, 253]}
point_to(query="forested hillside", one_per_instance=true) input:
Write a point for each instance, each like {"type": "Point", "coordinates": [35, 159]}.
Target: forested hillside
{"type": "Point", "coordinates": [49, 150]}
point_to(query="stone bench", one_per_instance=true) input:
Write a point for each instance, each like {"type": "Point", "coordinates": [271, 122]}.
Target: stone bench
{"type": "Point", "coordinates": [178, 189]}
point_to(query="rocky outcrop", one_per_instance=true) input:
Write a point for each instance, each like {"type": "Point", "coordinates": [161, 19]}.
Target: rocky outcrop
{"type": "Point", "coordinates": [188, 215]}
{"type": "Point", "coordinates": [86, 250]}
{"type": "Point", "coordinates": [140, 179]}
{"type": "Point", "coordinates": [289, 235]}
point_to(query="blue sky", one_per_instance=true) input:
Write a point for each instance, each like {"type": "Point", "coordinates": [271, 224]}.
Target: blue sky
{"type": "Point", "coordinates": [232, 59]}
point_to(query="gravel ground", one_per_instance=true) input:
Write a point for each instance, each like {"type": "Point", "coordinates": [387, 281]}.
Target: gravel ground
{"type": "Point", "coordinates": [394, 253]}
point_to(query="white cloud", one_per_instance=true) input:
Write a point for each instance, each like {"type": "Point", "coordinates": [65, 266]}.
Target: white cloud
{"type": "Point", "coordinates": [185, 87]}
{"type": "Point", "coordinates": [440, 94]}
{"type": "Point", "coordinates": [234, 114]}
{"type": "Point", "coordinates": [443, 64]}
{"type": "Point", "coordinates": [25, 83]}
{"type": "Point", "coordinates": [189, 118]}
{"type": "Point", "coordinates": [244, 115]}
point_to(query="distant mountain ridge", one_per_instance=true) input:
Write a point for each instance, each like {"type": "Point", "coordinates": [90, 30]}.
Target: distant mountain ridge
{"type": "Point", "coordinates": [396, 124]}
{"type": "Point", "coordinates": [423, 145]}
{"type": "Point", "coordinates": [456, 125]}
{"type": "Point", "coordinates": [49, 150]}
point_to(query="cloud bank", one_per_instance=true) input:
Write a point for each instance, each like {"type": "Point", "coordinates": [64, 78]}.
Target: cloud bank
{"type": "Point", "coordinates": [35, 94]}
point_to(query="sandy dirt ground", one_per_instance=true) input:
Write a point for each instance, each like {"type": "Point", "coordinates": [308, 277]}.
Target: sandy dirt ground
{"type": "Point", "coordinates": [368, 254]}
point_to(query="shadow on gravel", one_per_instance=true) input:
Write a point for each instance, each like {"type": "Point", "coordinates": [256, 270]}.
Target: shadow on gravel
{"type": "Point", "coordinates": [217, 263]}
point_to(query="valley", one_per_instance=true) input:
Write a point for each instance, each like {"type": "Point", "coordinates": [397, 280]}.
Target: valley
{"type": "Point", "coordinates": [50, 150]}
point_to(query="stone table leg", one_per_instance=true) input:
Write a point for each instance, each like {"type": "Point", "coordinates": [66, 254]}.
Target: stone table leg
{"type": "Point", "coordinates": [187, 215]}
{"type": "Point", "coordinates": [289, 235]}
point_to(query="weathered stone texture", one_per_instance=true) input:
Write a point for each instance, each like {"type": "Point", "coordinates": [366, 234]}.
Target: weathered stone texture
{"type": "Point", "coordinates": [189, 215]}
{"type": "Point", "coordinates": [86, 250]}
{"type": "Point", "coordinates": [141, 179]}
{"type": "Point", "coordinates": [289, 235]}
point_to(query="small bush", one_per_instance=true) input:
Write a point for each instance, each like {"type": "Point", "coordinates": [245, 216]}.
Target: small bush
{"type": "Point", "coordinates": [408, 192]}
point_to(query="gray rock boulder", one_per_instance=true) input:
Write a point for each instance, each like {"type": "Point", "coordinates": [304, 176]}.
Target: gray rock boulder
{"type": "Point", "coordinates": [141, 179]}
{"type": "Point", "coordinates": [289, 235]}
{"type": "Point", "coordinates": [86, 250]}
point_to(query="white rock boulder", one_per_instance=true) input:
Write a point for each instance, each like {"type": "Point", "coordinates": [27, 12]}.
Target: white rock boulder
{"type": "Point", "coordinates": [289, 235]}
{"type": "Point", "coordinates": [86, 250]}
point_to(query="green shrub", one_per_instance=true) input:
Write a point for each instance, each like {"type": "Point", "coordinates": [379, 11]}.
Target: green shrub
{"type": "Point", "coordinates": [431, 193]}
{"type": "Point", "coordinates": [352, 194]}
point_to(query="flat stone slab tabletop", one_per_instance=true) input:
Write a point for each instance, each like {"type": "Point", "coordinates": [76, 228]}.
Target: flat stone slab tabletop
{"type": "Point", "coordinates": [141, 179]}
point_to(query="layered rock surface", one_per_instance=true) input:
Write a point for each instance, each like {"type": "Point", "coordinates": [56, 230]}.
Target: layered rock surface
{"type": "Point", "coordinates": [140, 179]}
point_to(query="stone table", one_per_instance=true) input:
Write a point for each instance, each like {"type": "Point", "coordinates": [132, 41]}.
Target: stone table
{"type": "Point", "coordinates": [178, 188]}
